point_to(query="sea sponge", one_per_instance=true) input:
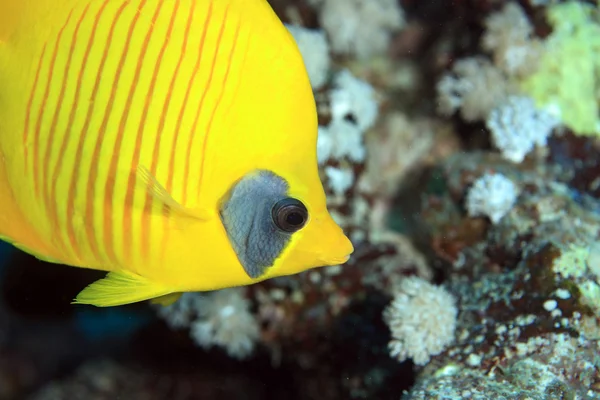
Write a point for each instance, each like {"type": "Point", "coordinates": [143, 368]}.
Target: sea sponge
{"type": "Point", "coordinates": [568, 76]}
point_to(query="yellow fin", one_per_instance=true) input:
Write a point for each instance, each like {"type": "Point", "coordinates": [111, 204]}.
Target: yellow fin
{"type": "Point", "coordinates": [161, 194]}
{"type": "Point", "coordinates": [167, 300]}
{"type": "Point", "coordinates": [119, 288]}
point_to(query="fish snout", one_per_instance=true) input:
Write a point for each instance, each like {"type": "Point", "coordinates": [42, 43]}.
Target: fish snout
{"type": "Point", "coordinates": [336, 247]}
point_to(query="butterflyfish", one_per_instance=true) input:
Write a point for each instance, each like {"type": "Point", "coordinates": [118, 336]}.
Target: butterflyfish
{"type": "Point", "coordinates": [170, 143]}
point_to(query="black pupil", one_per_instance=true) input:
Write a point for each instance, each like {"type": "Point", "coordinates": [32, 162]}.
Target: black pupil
{"type": "Point", "coordinates": [289, 215]}
{"type": "Point", "coordinates": [294, 218]}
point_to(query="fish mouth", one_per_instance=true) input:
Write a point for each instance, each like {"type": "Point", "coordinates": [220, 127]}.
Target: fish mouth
{"type": "Point", "coordinates": [339, 260]}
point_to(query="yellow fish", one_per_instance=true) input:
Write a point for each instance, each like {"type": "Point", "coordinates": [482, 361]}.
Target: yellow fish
{"type": "Point", "coordinates": [171, 143]}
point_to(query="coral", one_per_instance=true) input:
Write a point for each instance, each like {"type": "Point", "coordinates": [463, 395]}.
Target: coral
{"type": "Point", "coordinates": [360, 27]}
{"type": "Point", "coordinates": [572, 262]}
{"type": "Point", "coordinates": [422, 320]}
{"type": "Point", "coordinates": [220, 318]}
{"type": "Point", "coordinates": [516, 126]}
{"type": "Point", "coordinates": [559, 72]}
{"type": "Point", "coordinates": [353, 99]}
{"type": "Point", "coordinates": [401, 146]}
{"type": "Point", "coordinates": [492, 195]}
{"type": "Point", "coordinates": [340, 139]}
{"type": "Point", "coordinates": [314, 48]}
{"type": "Point", "coordinates": [579, 264]}
{"type": "Point", "coordinates": [354, 110]}
{"type": "Point", "coordinates": [524, 321]}
{"type": "Point", "coordinates": [453, 382]}
{"type": "Point", "coordinates": [508, 36]}
{"type": "Point", "coordinates": [105, 379]}
{"type": "Point", "coordinates": [539, 377]}
{"type": "Point", "coordinates": [474, 86]}
{"type": "Point", "coordinates": [567, 77]}
{"type": "Point", "coordinates": [340, 180]}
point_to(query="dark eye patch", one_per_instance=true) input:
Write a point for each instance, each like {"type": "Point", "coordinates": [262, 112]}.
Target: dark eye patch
{"type": "Point", "coordinates": [253, 216]}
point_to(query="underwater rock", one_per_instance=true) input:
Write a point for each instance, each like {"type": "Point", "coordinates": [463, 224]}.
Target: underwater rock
{"type": "Point", "coordinates": [526, 286]}
{"type": "Point", "coordinates": [108, 380]}
{"type": "Point", "coordinates": [453, 382]}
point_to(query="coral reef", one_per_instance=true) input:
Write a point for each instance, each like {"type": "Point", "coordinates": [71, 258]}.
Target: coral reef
{"type": "Point", "coordinates": [344, 22]}
{"type": "Point", "coordinates": [571, 52]}
{"type": "Point", "coordinates": [104, 379]}
{"type": "Point", "coordinates": [220, 318]}
{"type": "Point", "coordinates": [492, 195]}
{"type": "Point", "coordinates": [422, 320]}
{"type": "Point", "coordinates": [525, 324]}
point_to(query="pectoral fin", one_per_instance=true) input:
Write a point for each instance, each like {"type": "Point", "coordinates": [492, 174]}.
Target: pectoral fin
{"type": "Point", "coordinates": [160, 194]}
{"type": "Point", "coordinates": [166, 300]}
{"type": "Point", "coordinates": [119, 288]}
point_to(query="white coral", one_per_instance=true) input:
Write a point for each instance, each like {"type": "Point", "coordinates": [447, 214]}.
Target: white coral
{"type": "Point", "coordinates": [314, 48]}
{"type": "Point", "coordinates": [491, 195]}
{"type": "Point", "coordinates": [221, 318]}
{"type": "Point", "coordinates": [509, 37]}
{"type": "Point", "coordinates": [180, 314]}
{"type": "Point", "coordinates": [422, 320]}
{"type": "Point", "coordinates": [473, 86]}
{"type": "Point", "coordinates": [354, 110]}
{"type": "Point", "coordinates": [325, 143]}
{"type": "Point", "coordinates": [339, 179]}
{"type": "Point", "coordinates": [517, 126]}
{"type": "Point", "coordinates": [360, 27]}
{"type": "Point", "coordinates": [340, 139]}
{"type": "Point", "coordinates": [353, 98]}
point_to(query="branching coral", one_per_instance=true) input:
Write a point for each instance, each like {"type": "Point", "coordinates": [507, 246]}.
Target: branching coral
{"type": "Point", "coordinates": [492, 195]}
{"type": "Point", "coordinates": [517, 126]}
{"type": "Point", "coordinates": [474, 86]}
{"type": "Point", "coordinates": [354, 110]}
{"type": "Point", "coordinates": [220, 318]}
{"type": "Point", "coordinates": [533, 85]}
{"type": "Point", "coordinates": [314, 47]}
{"type": "Point", "coordinates": [560, 71]}
{"type": "Point", "coordinates": [509, 37]}
{"type": "Point", "coordinates": [422, 319]}
{"type": "Point", "coordinates": [360, 27]}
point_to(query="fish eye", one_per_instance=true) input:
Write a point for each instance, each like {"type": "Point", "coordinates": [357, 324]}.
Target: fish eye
{"type": "Point", "coordinates": [289, 215]}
